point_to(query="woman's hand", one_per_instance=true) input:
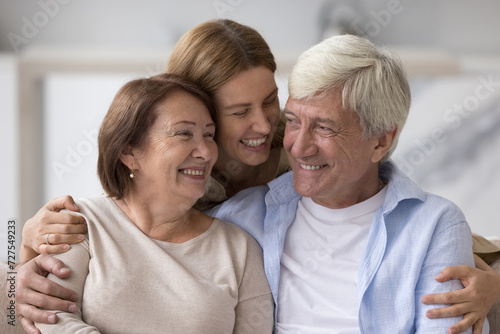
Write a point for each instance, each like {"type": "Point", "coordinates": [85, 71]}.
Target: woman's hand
{"type": "Point", "coordinates": [482, 290]}
{"type": "Point", "coordinates": [51, 231]}
{"type": "Point", "coordinates": [34, 291]}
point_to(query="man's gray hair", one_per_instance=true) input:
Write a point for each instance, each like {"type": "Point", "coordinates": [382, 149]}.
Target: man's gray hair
{"type": "Point", "coordinates": [372, 81]}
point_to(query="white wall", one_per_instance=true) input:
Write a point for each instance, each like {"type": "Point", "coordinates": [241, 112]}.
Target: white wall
{"type": "Point", "coordinates": [75, 105]}
{"type": "Point", "coordinates": [451, 144]}
{"type": "Point", "coordinates": [9, 151]}
{"type": "Point", "coordinates": [456, 25]}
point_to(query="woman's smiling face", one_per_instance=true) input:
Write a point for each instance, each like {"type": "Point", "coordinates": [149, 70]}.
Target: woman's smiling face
{"type": "Point", "coordinates": [180, 150]}
{"type": "Point", "coordinates": [247, 115]}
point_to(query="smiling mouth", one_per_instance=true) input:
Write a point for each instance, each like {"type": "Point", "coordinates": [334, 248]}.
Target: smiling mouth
{"type": "Point", "coordinates": [311, 167]}
{"type": "Point", "coordinates": [253, 142]}
{"type": "Point", "coordinates": [192, 172]}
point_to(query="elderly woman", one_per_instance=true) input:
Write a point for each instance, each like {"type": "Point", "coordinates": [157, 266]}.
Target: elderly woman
{"type": "Point", "coordinates": [156, 151]}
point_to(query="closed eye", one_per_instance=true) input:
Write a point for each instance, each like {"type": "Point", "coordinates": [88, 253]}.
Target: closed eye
{"type": "Point", "coordinates": [241, 112]}
{"type": "Point", "coordinates": [184, 133]}
{"type": "Point", "coordinates": [270, 101]}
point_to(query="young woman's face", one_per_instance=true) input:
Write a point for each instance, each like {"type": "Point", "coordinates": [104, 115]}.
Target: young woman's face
{"type": "Point", "coordinates": [247, 116]}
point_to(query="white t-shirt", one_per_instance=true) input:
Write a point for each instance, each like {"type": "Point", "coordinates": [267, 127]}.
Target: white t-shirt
{"type": "Point", "coordinates": [319, 267]}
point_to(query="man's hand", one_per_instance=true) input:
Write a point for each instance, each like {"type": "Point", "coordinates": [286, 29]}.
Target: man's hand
{"type": "Point", "coordinates": [35, 290]}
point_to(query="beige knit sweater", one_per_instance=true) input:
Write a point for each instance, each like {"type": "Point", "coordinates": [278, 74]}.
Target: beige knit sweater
{"type": "Point", "coordinates": [129, 283]}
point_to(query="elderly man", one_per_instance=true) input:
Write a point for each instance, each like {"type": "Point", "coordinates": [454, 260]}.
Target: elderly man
{"type": "Point", "coordinates": [357, 244]}
{"type": "Point", "coordinates": [350, 244]}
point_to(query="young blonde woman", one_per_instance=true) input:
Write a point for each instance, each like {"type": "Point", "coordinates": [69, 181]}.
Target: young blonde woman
{"type": "Point", "coordinates": [234, 64]}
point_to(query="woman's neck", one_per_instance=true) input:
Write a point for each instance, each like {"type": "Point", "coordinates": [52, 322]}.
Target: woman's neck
{"type": "Point", "coordinates": [173, 223]}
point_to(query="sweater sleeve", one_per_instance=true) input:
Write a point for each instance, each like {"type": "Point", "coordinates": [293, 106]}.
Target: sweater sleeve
{"type": "Point", "coordinates": [77, 259]}
{"type": "Point", "coordinates": [255, 308]}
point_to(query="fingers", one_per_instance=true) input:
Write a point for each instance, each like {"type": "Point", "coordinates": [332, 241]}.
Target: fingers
{"type": "Point", "coordinates": [36, 291]}
{"type": "Point", "coordinates": [63, 202]}
{"type": "Point", "coordinates": [28, 326]}
{"type": "Point", "coordinates": [31, 314]}
{"type": "Point", "coordinates": [478, 327]}
{"type": "Point", "coordinates": [58, 229]}
{"type": "Point", "coordinates": [31, 300]}
{"type": "Point", "coordinates": [53, 249]}
{"type": "Point", "coordinates": [60, 222]}
{"type": "Point", "coordinates": [42, 265]}
{"type": "Point", "coordinates": [451, 297]}
{"type": "Point", "coordinates": [447, 312]}
{"type": "Point", "coordinates": [59, 243]}
{"type": "Point", "coordinates": [468, 321]}
{"type": "Point", "coordinates": [453, 272]}
{"type": "Point", "coordinates": [50, 222]}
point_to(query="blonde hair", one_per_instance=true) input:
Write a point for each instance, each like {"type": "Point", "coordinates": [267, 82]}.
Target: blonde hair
{"type": "Point", "coordinates": [372, 82]}
{"type": "Point", "coordinates": [215, 51]}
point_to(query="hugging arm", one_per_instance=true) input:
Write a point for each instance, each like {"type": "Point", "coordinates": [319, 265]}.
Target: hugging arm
{"type": "Point", "coordinates": [482, 290]}
{"type": "Point", "coordinates": [51, 231]}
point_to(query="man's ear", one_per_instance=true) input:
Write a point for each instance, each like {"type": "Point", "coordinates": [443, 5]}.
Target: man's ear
{"type": "Point", "coordinates": [129, 158]}
{"type": "Point", "coordinates": [383, 144]}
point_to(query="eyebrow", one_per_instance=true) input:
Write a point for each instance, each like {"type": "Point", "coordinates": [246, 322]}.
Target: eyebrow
{"type": "Point", "coordinates": [192, 123]}
{"type": "Point", "coordinates": [247, 104]}
{"type": "Point", "coordinates": [316, 119]}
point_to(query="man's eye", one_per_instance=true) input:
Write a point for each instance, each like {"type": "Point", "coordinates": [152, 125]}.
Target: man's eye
{"type": "Point", "coordinates": [325, 130]}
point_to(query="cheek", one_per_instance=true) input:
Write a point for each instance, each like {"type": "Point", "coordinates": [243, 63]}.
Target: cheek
{"type": "Point", "coordinates": [231, 131]}
{"type": "Point", "coordinates": [224, 126]}
{"type": "Point", "coordinates": [288, 140]}
{"type": "Point", "coordinates": [214, 152]}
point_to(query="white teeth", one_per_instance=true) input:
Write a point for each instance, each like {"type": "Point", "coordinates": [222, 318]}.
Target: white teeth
{"type": "Point", "coordinates": [311, 167]}
{"type": "Point", "coordinates": [253, 142]}
{"type": "Point", "coordinates": [192, 172]}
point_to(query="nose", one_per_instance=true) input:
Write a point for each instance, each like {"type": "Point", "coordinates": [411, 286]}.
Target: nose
{"type": "Point", "coordinates": [303, 144]}
{"type": "Point", "coordinates": [205, 150]}
{"type": "Point", "coordinates": [263, 121]}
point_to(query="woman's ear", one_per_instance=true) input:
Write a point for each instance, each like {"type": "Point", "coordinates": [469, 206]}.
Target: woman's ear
{"type": "Point", "coordinates": [383, 144]}
{"type": "Point", "coordinates": [129, 158]}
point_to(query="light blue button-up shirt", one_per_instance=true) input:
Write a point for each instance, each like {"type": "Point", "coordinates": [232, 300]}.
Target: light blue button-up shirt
{"type": "Point", "coordinates": [413, 236]}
